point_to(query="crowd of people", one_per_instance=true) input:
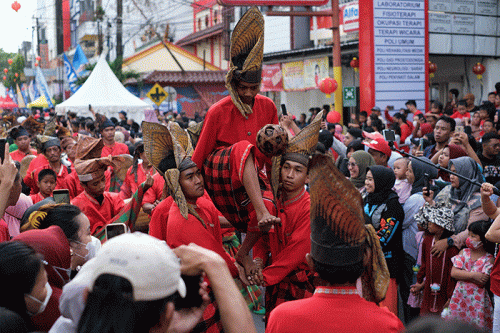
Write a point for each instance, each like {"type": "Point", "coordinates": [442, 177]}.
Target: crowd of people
{"type": "Point", "coordinates": [179, 225]}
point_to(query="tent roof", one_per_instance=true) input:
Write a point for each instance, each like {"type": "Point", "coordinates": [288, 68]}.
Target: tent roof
{"type": "Point", "coordinates": [40, 102]}
{"type": "Point", "coordinates": [8, 103]}
{"type": "Point", "coordinates": [106, 94]}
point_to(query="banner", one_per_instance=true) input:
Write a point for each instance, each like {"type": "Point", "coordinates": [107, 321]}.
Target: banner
{"type": "Point", "coordinates": [315, 70]}
{"type": "Point", "coordinates": [12, 95]}
{"type": "Point", "coordinates": [24, 92]}
{"type": "Point", "coordinates": [20, 99]}
{"type": "Point", "coordinates": [272, 78]}
{"type": "Point", "coordinates": [79, 62]}
{"type": "Point", "coordinates": [33, 91]}
{"type": "Point", "coordinates": [293, 76]}
{"type": "Point", "coordinates": [70, 74]}
{"type": "Point", "coordinates": [42, 86]}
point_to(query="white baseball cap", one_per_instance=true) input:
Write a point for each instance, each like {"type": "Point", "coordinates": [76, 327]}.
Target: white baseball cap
{"type": "Point", "coordinates": [150, 266]}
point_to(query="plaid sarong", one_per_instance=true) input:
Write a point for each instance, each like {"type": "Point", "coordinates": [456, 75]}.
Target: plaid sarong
{"type": "Point", "coordinates": [298, 284]}
{"type": "Point", "coordinates": [223, 174]}
{"type": "Point", "coordinates": [128, 214]}
{"type": "Point", "coordinates": [115, 183]}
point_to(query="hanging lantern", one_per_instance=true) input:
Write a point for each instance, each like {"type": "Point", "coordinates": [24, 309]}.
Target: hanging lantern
{"type": "Point", "coordinates": [36, 64]}
{"type": "Point", "coordinates": [16, 6]}
{"type": "Point", "coordinates": [16, 74]}
{"type": "Point", "coordinates": [38, 58]}
{"type": "Point", "coordinates": [432, 69]}
{"type": "Point", "coordinates": [5, 78]}
{"type": "Point", "coordinates": [10, 61]}
{"type": "Point", "coordinates": [5, 70]}
{"type": "Point", "coordinates": [328, 86]}
{"type": "Point", "coordinates": [333, 117]}
{"type": "Point", "coordinates": [355, 64]}
{"type": "Point", "coordinates": [479, 70]}
{"type": "Point", "coordinates": [14, 80]}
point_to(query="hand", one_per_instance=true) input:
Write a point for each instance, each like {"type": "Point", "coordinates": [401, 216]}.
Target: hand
{"type": "Point", "coordinates": [428, 195]}
{"type": "Point", "coordinates": [149, 182]}
{"type": "Point", "coordinates": [479, 278]}
{"type": "Point", "coordinates": [242, 275]}
{"type": "Point", "coordinates": [323, 125]}
{"type": "Point", "coordinates": [185, 320]}
{"type": "Point", "coordinates": [486, 190]}
{"type": "Point", "coordinates": [286, 121]}
{"type": "Point", "coordinates": [419, 153]}
{"type": "Point", "coordinates": [416, 288]}
{"type": "Point", "coordinates": [8, 170]}
{"type": "Point", "coordinates": [467, 121]}
{"type": "Point", "coordinates": [439, 247]}
{"type": "Point", "coordinates": [461, 139]}
{"type": "Point", "coordinates": [195, 259]}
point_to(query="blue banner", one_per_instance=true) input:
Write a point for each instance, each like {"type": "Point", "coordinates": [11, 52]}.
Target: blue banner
{"type": "Point", "coordinates": [24, 89]}
{"type": "Point", "coordinates": [42, 86]}
{"type": "Point", "coordinates": [12, 95]}
{"type": "Point", "coordinates": [79, 62]}
{"type": "Point", "coordinates": [70, 75]}
{"type": "Point", "coordinates": [34, 93]}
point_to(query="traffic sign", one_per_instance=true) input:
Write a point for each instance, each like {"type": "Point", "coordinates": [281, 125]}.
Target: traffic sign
{"type": "Point", "coordinates": [349, 96]}
{"type": "Point", "coordinates": [157, 94]}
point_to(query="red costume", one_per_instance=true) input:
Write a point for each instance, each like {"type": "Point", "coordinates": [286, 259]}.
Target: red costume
{"type": "Point", "coordinates": [288, 277]}
{"type": "Point", "coordinates": [99, 214]}
{"type": "Point", "coordinates": [4, 231]}
{"type": "Point", "coordinates": [31, 179]}
{"type": "Point", "coordinates": [332, 309]}
{"type": "Point", "coordinates": [39, 161]}
{"type": "Point", "coordinates": [36, 197]}
{"type": "Point", "coordinates": [159, 218]}
{"type": "Point", "coordinates": [131, 183]}
{"type": "Point", "coordinates": [156, 191]}
{"type": "Point", "coordinates": [117, 148]}
{"type": "Point", "coordinates": [75, 187]}
{"type": "Point", "coordinates": [458, 115]}
{"type": "Point", "coordinates": [18, 155]}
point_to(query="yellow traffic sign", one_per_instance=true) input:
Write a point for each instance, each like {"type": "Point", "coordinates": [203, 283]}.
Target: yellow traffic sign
{"type": "Point", "coordinates": [157, 94]}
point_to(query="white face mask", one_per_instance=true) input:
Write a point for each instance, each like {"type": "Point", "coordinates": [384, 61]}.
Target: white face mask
{"type": "Point", "coordinates": [92, 247]}
{"type": "Point", "coordinates": [43, 304]}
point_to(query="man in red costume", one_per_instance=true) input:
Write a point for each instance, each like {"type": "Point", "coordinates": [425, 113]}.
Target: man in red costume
{"type": "Point", "coordinates": [22, 139]}
{"type": "Point", "coordinates": [226, 152]}
{"type": "Point", "coordinates": [343, 249]}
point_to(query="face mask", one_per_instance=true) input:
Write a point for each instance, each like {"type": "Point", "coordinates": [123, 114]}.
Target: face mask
{"type": "Point", "coordinates": [67, 271]}
{"type": "Point", "coordinates": [92, 247]}
{"type": "Point", "coordinates": [472, 244]}
{"type": "Point", "coordinates": [43, 304]}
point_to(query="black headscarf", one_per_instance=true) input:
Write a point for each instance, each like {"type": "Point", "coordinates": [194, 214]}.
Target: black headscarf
{"type": "Point", "coordinates": [384, 179]}
{"type": "Point", "coordinates": [419, 169]}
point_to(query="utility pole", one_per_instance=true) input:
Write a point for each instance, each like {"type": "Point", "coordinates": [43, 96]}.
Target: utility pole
{"type": "Point", "coordinates": [119, 30]}
{"type": "Point", "coordinates": [108, 37]}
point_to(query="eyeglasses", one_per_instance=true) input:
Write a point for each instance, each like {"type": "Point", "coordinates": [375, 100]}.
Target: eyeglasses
{"type": "Point", "coordinates": [351, 165]}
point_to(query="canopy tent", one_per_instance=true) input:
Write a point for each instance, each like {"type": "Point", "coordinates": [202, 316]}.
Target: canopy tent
{"type": "Point", "coordinates": [8, 103]}
{"type": "Point", "coordinates": [40, 102]}
{"type": "Point", "coordinates": [105, 93]}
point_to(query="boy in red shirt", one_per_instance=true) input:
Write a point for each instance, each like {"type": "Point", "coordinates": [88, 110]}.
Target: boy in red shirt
{"type": "Point", "coordinates": [461, 112]}
{"type": "Point", "coordinates": [46, 182]}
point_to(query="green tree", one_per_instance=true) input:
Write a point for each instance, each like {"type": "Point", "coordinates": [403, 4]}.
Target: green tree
{"type": "Point", "coordinates": [16, 67]}
{"type": "Point", "coordinates": [116, 67]}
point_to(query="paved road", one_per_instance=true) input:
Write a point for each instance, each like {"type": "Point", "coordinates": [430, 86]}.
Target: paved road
{"type": "Point", "coordinates": [259, 323]}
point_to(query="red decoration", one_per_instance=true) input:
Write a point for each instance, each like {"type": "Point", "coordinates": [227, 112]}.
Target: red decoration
{"type": "Point", "coordinates": [333, 117]}
{"type": "Point", "coordinates": [10, 61]}
{"type": "Point", "coordinates": [328, 86]}
{"type": "Point", "coordinates": [38, 58]}
{"type": "Point", "coordinates": [5, 78]}
{"type": "Point", "coordinates": [16, 74]}
{"type": "Point", "coordinates": [16, 6]}
{"type": "Point", "coordinates": [479, 70]}
{"type": "Point", "coordinates": [432, 69]}
{"type": "Point", "coordinates": [355, 64]}
{"type": "Point", "coordinates": [36, 64]}
{"type": "Point", "coordinates": [5, 70]}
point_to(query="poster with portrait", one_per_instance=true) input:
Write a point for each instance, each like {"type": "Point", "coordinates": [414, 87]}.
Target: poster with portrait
{"type": "Point", "coordinates": [315, 70]}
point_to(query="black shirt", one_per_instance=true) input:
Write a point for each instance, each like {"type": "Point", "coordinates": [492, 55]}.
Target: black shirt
{"type": "Point", "coordinates": [491, 168]}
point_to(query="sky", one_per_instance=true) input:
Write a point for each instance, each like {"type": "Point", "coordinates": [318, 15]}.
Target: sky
{"type": "Point", "coordinates": [16, 27]}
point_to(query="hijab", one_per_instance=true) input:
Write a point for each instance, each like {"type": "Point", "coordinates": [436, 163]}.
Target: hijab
{"type": "Point", "coordinates": [466, 167]}
{"type": "Point", "coordinates": [419, 169]}
{"type": "Point", "coordinates": [384, 180]}
{"type": "Point", "coordinates": [363, 160]}
{"type": "Point", "coordinates": [455, 152]}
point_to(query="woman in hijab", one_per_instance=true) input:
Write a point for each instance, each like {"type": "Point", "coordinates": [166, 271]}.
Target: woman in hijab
{"type": "Point", "coordinates": [465, 199]}
{"type": "Point", "coordinates": [383, 210]}
{"type": "Point", "coordinates": [358, 165]}
{"type": "Point", "coordinates": [443, 157]}
{"type": "Point", "coordinates": [415, 176]}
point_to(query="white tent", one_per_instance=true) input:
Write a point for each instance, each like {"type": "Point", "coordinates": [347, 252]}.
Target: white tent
{"type": "Point", "coordinates": [106, 94]}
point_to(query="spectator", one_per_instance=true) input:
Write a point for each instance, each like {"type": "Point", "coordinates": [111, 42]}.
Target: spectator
{"type": "Point", "coordinates": [22, 141]}
{"type": "Point", "coordinates": [475, 125]}
{"type": "Point", "coordinates": [411, 105]}
{"type": "Point", "coordinates": [442, 134]}
{"type": "Point", "coordinates": [379, 149]}
{"type": "Point", "coordinates": [436, 108]}
{"type": "Point", "coordinates": [489, 157]}
{"type": "Point", "coordinates": [358, 165]}
{"type": "Point", "coordinates": [451, 104]}
{"type": "Point", "coordinates": [470, 98]}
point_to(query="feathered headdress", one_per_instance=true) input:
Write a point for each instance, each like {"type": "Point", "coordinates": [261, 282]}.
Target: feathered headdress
{"type": "Point", "coordinates": [50, 127]}
{"type": "Point", "coordinates": [300, 149]}
{"type": "Point", "coordinates": [339, 236]}
{"type": "Point", "coordinates": [169, 150]}
{"type": "Point", "coordinates": [194, 133]}
{"type": "Point", "coordinates": [246, 53]}
{"type": "Point", "coordinates": [32, 126]}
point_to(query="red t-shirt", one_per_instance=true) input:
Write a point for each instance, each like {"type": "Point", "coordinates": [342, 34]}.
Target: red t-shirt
{"type": "Point", "coordinates": [99, 215]}
{"type": "Point", "coordinates": [458, 115]}
{"type": "Point", "coordinates": [36, 197]}
{"type": "Point", "coordinates": [18, 155]}
{"type": "Point", "coordinates": [117, 148]}
{"type": "Point", "coordinates": [495, 277]}
{"type": "Point", "coordinates": [130, 185]}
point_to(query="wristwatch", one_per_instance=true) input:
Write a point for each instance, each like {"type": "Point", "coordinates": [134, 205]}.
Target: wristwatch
{"type": "Point", "coordinates": [450, 242]}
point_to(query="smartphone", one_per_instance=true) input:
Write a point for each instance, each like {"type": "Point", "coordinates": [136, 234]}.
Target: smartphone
{"type": "Point", "coordinates": [193, 298]}
{"type": "Point", "coordinates": [2, 149]}
{"type": "Point", "coordinates": [115, 229]}
{"type": "Point", "coordinates": [90, 107]}
{"type": "Point", "coordinates": [390, 107]}
{"type": "Point", "coordinates": [468, 130]}
{"type": "Point", "coordinates": [61, 196]}
{"type": "Point", "coordinates": [389, 135]}
{"type": "Point", "coordinates": [459, 129]}
{"type": "Point", "coordinates": [421, 144]}
{"type": "Point", "coordinates": [427, 183]}
{"type": "Point", "coordinates": [283, 110]}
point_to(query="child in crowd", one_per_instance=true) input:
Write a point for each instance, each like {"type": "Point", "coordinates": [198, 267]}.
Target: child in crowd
{"type": "Point", "coordinates": [47, 179]}
{"type": "Point", "coordinates": [401, 186]}
{"type": "Point", "coordinates": [434, 276]}
{"type": "Point", "coordinates": [471, 268]}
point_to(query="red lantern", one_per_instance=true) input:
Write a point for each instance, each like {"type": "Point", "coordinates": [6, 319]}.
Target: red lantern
{"type": "Point", "coordinates": [10, 61]}
{"type": "Point", "coordinates": [14, 80]}
{"type": "Point", "coordinates": [16, 6]}
{"type": "Point", "coordinates": [333, 117]}
{"type": "Point", "coordinates": [16, 74]}
{"type": "Point", "coordinates": [5, 70]}
{"type": "Point", "coordinates": [479, 70]}
{"type": "Point", "coordinates": [355, 64]}
{"type": "Point", "coordinates": [327, 86]}
{"type": "Point", "coordinates": [38, 58]}
{"type": "Point", "coordinates": [36, 64]}
{"type": "Point", "coordinates": [5, 78]}
{"type": "Point", "coordinates": [432, 69]}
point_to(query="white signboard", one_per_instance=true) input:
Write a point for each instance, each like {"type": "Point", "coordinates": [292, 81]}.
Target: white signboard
{"type": "Point", "coordinates": [440, 22]}
{"type": "Point", "coordinates": [440, 5]}
{"type": "Point", "coordinates": [463, 24]}
{"type": "Point", "coordinates": [463, 6]}
{"type": "Point", "coordinates": [486, 7]}
{"type": "Point", "coordinates": [399, 29]}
